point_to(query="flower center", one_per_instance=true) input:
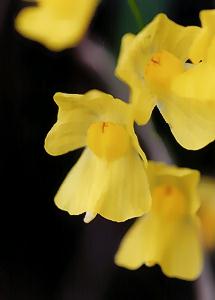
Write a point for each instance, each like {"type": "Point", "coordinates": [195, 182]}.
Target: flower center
{"type": "Point", "coordinates": [168, 200]}
{"type": "Point", "coordinates": [161, 69]}
{"type": "Point", "coordinates": [108, 140]}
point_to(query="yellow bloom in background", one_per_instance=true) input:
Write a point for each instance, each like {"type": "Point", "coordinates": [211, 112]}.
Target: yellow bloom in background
{"type": "Point", "coordinates": [151, 63]}
{"type": "Point", "coordinates": [109, 178]}
{"type": "Point", "coordinates": [205, 38]}
{"type": "Point", "coordinates": [207, 211]}
{"type": "Point", "coordinates": [169, 234]}
{"type": "Point", "coordinates": [57, 24]}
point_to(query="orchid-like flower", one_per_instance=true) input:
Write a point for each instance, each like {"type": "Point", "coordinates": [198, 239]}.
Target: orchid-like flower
{"type": "Point", "coordinates": [169, 234]}
{"type": "Point", "coordinates": [57, 24]}
{"type": "Point", "coordinates": [110, 177]}
{"type": "Point", "coordinates": [152, 63]}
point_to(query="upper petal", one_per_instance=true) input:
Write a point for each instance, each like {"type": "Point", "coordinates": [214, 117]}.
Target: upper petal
{"type": "Point", "coordinates": [76, 113]}
{"type": "Point", "coordinates": [201, 43]}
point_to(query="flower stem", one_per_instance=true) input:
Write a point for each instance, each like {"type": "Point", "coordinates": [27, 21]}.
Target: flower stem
{"type": "Point", "coordinates": [136, 12]}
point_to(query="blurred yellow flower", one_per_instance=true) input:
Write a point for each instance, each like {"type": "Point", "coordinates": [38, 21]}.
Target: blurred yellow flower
{"type": "Point", "coordinates": [152, 63]}
{"type": "Point", "coordinates": [110, 178]}
{"type": "Point", "coordinates": [169, 234]}
{"type": "Point", "coordinates": [205, 38]}
{"type": "Point", "coordinates": [56, 24]}
{"type": "Point", "coordinates": [207, 211]}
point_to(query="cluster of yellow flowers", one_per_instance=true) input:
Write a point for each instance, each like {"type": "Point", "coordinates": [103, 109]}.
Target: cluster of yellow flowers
{"type": "Point", "coordinates": [163, 65]}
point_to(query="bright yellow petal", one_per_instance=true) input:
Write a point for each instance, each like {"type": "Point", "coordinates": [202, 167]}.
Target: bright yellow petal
{"type": "Point", "coordinates": [174, 38]}
{"type": "Point", "coordinates": [201, 43]}
{"type": "Point", "coordinates": [53, 26]}
{"type": "Point", "coordinates": [116, 190]}
{"type": "Point", "coordinates": [83, 186]}
{"type": "Point", "coordinates": [143, 102]}
{"type": "Point", "coordinates": [122, 67]}
{"type": "Point", "coordinates": [141, 244]}
{"type": "Point", "coordinates": [198, 49]}
{"type": "Point", "coordinates": [127, 194]}
{"type": "Point", "coordinates": [190, 109]}
{"type": "Point", "coordinates": [207, 17]}
{"type": "Point", "coordinates": [210, 52]}
{"type": "Point", "coordinates": [183, 254]}
{"type": "Point", "coordinates": [125, 70]}
{"type": "Point", "coordinates": [76, 113]}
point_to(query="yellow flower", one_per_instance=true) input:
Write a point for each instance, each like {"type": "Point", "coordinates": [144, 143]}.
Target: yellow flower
{"type": "Point", "coordinates": [57, 24]}
{"type": "Point", "coordinates": [152, 63]}
{"type": "Point", "coordinates": [207, 211]}
{"type": "Point", "coordinates": [205, 38]}
{"type": "Point", "coordinates": [169, 234]}
{"type": "Point", "coordinates": [110, 178]}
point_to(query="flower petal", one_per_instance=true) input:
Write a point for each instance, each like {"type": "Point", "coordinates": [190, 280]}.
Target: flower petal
{"type": "Point", "coordinates": [201, 43]}
{"type": "Point", "coordinates": [130, 69]}
{"type": "Point", "coordinates": [199, 47]}
{"type": "Point", "coordinates": [207, 17]}
{"type": "Point", "coordinates": [116, 190]}
{"type": "Point", "coordinates": [141, 244]}
{"type": "Point", "coordinates": [173, 38]}
{"type": "Point", "coordinates": [183, 255]}
{"type": "Point", "coordinates": [190, 109]}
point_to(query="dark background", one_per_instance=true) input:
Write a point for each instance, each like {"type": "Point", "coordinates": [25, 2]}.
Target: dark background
{"type": "Point", "coordinates": [44, 252]}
